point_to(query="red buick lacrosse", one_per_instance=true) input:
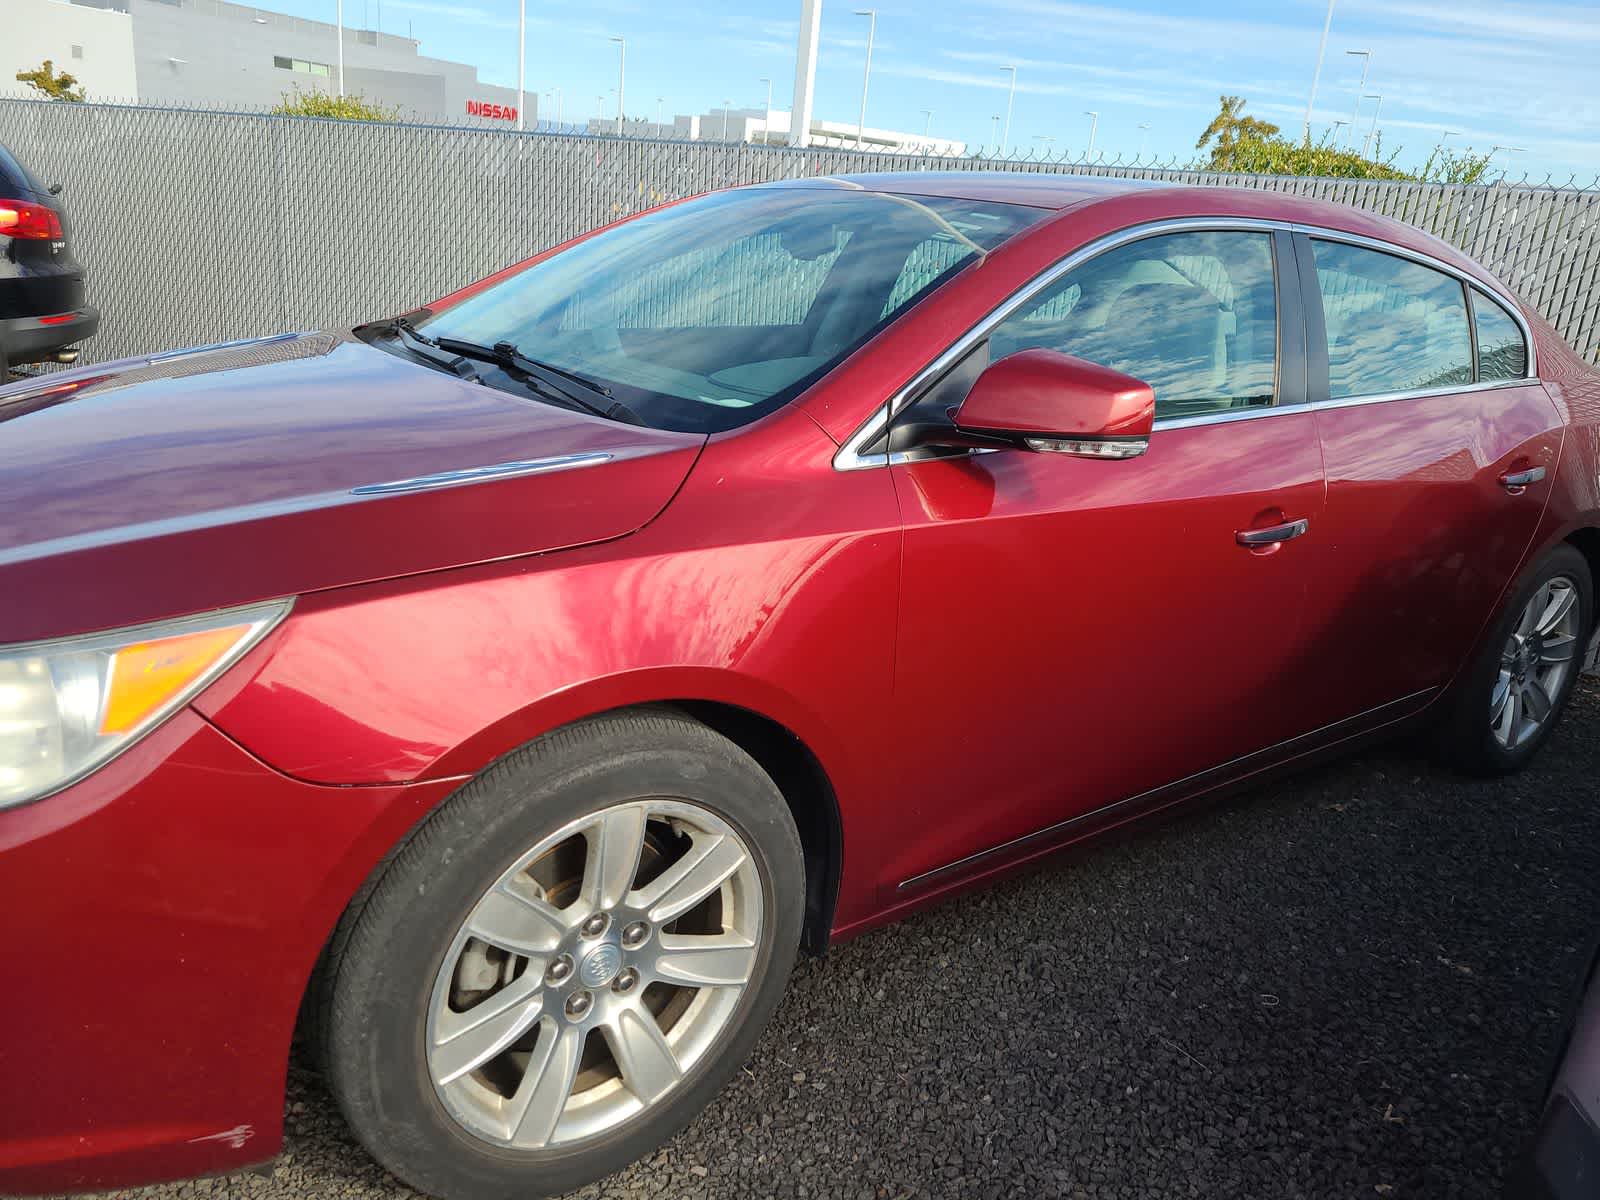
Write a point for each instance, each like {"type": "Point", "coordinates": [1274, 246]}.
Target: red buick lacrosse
{"type": "Point", "coordinates": [501, 694]}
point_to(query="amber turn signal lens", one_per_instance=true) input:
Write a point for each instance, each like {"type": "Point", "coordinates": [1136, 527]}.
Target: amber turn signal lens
{"type": "Point", "coordinates": [147, 675]}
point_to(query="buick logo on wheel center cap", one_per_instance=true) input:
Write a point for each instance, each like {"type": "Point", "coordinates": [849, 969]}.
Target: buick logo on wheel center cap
{"type": "Point", "coordinates": [600, 964]}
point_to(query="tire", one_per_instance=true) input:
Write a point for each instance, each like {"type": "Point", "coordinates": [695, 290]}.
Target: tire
{"type": "Point", "coordinates": [1466, 736]}
{"type": "Point", "coordinates": [406, 972]}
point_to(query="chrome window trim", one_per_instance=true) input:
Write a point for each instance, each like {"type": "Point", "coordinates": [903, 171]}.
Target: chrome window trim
{"type": "Point", "coordinates": [850, 458]}
{"type": "Point", "coordinates": [1272, 410]}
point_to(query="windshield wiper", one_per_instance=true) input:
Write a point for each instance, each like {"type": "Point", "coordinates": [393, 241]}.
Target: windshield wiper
{"type": "Point", "coordinates": [426, 347]}
{"type": "Point", "coordinates": [550, 379]}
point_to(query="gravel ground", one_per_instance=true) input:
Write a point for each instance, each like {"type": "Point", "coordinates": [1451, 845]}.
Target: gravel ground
{"type": "Point", "coordinates": [1345, 985]}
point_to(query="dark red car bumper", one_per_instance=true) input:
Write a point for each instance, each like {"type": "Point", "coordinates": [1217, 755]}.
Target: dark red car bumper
{"type": "Point", "coordinates": [161, 919]}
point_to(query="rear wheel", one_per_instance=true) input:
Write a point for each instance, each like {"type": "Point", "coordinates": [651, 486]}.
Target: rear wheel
{"type": "Point", "coordinates": [567, 961]}
{"type": "Point", "coordinates": [1511, 697]}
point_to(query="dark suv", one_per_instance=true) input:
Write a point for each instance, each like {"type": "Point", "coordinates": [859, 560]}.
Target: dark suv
{"type": "Point", "coordinates": [41, 285]}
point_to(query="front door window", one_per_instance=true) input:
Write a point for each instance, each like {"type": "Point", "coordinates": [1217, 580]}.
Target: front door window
{"type": "Point", "coordinates": [1194, 315]}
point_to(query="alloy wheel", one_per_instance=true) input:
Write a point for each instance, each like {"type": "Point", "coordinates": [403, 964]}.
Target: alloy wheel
{"type": "Point", "coordinates": [1535, 663]}
{"type": "Point", "coordinates": [585, 985]}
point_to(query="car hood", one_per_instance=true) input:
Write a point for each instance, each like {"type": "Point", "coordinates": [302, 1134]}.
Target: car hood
{"type": "Point", "coordinates": [189, 481]}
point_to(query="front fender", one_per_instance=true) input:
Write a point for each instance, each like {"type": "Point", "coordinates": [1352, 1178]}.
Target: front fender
{"type": "Point", "coordinates": [416, 680]}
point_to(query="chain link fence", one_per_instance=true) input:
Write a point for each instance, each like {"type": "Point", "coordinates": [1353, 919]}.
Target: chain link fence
{"type": "Point", "coordinates": [199, 226]}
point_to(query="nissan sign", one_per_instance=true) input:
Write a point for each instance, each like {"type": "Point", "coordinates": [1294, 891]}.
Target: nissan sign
{"type": "Point", "coordinates": [497, 112]}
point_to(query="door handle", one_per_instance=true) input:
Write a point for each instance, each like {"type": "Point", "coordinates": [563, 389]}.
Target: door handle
{"type": "Point", "coordinates": [1516, 482]}
{"type": "Point", "coordinates": [1273, 534]}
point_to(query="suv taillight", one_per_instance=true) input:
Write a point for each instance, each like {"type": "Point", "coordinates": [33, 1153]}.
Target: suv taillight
{"type": "Point", "coordinates": [19, 219]}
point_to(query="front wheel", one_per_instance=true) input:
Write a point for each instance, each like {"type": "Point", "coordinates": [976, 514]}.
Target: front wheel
{"type": "Point", "coordinates": [567, 960]}
{"type": "Point", "coordinates": [1509, 699]}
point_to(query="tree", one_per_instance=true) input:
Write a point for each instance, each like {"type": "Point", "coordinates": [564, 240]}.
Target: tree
{"type": "Point", "coordinates": [354, 107]}
{"type": "Point", "coordinates": [51, 84]}
{"type": "Point", "coordinates": [1229, 128]}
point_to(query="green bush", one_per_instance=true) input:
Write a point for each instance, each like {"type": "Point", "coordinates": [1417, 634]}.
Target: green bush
{"type": "Point", "coordinates": [1279, 156]}
{"type": "Point", "coordinates": [354, 107]}
{"type": "Point", "coordinates": [1254, 147]}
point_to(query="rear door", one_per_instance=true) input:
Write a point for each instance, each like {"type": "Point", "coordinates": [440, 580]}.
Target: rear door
{"type": "Point", "coordinates": [1076, 633]}
{"type": "Point", "coordinates": [1427, 418]}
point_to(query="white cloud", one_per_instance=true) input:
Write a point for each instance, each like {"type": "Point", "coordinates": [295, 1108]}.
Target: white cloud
{"type": "Point", "coordinates": [1519, 22]}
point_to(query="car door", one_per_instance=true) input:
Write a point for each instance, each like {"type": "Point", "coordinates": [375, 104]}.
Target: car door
{"type": "Point", "coordinates": [1075, 633]}
{"type": "Point", "coordinates": [1438, 449]}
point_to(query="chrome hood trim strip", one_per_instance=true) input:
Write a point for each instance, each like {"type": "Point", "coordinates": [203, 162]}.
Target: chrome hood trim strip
{"type": "Point", "coordinates": [466, 475]}
{"type": "Point", "coordinates": [186, 351]}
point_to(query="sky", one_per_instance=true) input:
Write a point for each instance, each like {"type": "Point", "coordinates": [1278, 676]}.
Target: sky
{"type": "Point", "coordinates": [1516, 75]}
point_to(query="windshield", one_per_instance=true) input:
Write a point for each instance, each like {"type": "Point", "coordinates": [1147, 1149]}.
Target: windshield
{"type": "Point", "coordinates": [708, 314]}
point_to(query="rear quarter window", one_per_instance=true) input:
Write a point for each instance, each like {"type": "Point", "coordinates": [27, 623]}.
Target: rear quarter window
{"type": "Point", "coordinates": [1502, 350]}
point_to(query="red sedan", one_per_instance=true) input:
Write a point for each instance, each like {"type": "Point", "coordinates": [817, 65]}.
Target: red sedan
{"type": "Point", "coordinates": [503, 693]}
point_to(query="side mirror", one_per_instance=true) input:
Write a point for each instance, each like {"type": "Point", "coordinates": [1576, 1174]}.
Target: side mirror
{"type": "Point", "coordinates": [1043, 400]}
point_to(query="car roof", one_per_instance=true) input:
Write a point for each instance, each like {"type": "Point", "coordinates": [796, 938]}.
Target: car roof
{"type": "Point", "coordinates": [1039, 189]}
{"type": "Point", "coordinates": [1146, 200]}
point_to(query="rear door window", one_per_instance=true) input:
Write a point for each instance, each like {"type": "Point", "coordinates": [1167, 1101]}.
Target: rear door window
{"type": "Point", "coordinates": [1393, 325]}
{"type": "Point", "coordinates": [1502, 350]}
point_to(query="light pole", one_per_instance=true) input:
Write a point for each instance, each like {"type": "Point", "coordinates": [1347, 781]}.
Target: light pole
{"type": "Point", "coordinates": [1507, 149]}
{"type": "Point", "coordinates": [725, 105]}
{"type": "Point", "coordinates": [927, 124]}
{"type": "Point", "coordinates": [522, 57]}
{"type": "Point", "coordinates": [1366, 61]}
{"type": "Point", "coordinates": [599, 108]}
{"type": "Point", "coordinates": [994, 131]}
{"type": "Point", "coordinates": [1094, 126]}
{"type": "Point", "coordinates": [1005, 138]}
{"type": "Point", "coordinates": [622, 77]}
{"type": "Point", "coordinates": [1373, 128]}
{"type": "Point", "coordinates": [1144, 137]}
{"type": "Point", "coordinates": [1316, 75]}
{"type": "Point", "coordinates": [560, 107]}
{"type": "Point", "coordinates": [660, 100]}
{"type": "Point", "coordinates": [338, 17]}
{"type": "Point", "coordinates": [866, 76]}
{"type": "Point", "coordinates": [766, 128]}
{"type": "Point", "coordinates": [1336, 126]}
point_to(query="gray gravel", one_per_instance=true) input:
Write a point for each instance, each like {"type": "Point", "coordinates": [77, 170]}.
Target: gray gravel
{"type": "Point", "coordinates": [1345, 985]}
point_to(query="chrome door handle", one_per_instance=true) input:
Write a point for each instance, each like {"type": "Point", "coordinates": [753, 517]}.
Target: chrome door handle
{"type": "Point", "coordinates": [1286, 532]}
{"type": "Point", "coordinates": [1515, 481]}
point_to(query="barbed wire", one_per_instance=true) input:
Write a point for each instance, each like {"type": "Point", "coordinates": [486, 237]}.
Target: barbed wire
{"type": "Point", "coordinates": [969, 157]}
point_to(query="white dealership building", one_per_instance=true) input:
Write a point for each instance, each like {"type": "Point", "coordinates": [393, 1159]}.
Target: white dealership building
{"type": "Point", "coordinates": [212, 53]}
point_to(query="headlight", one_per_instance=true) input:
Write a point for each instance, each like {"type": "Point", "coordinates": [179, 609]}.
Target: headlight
{"type": "Point", "coordinates": [68, 706]}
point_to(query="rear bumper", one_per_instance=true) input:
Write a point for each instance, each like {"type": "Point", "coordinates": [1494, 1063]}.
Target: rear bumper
{"type": "Point", "coordinates": [162, 918]}
{"type": "Point", "coordinates": [29, 339]}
